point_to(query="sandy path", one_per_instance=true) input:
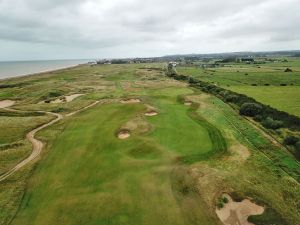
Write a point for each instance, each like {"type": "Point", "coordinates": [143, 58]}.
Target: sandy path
{"type": "Point", "coordinates": [37, 145]}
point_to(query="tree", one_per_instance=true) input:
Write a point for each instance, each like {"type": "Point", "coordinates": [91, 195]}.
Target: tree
{"type": "Point", "coordinates": [288, 70]}
{"type": "Point", "coordinates": [250, 109]}
{"type": "Point", "coordinates": [291, 140]}
{"type": "Point", "coordinates": [271, 123]}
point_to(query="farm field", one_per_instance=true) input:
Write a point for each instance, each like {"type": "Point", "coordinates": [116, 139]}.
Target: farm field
{"type": "Point", "coordinates": [283, 98]}
{"type": "Point", "coordinates": [267, 83]}
{"type": "Point", "coordinates": [136, 147]}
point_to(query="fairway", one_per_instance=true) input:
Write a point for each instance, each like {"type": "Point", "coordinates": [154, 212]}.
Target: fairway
{"type": "Point", "coordinates": [91, 177]}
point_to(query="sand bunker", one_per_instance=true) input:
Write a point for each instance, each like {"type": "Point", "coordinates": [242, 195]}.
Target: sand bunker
{"type": "Point", "coordinates": [63, 99]}
{"type": "Point", "coordinates": [59, 100]}
{"type": "Point", "coordinates": [236, 213]}
{"type": "Point", "coordinates": [130, 101]}
{"type": "Point", "coordinates": [70, 98]}
{"type": "Point", "coordinates": [151, 113]}
{"type": "Point", "coordinates": [6, 103]}
{"type": "Point", "coordinates": [188, 103]}
{"type": "Point", "coordinates": [124, 134]}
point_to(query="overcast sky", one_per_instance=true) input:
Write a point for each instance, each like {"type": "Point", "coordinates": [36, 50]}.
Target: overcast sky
{"type": "Point", "coordinates": [56, 29]}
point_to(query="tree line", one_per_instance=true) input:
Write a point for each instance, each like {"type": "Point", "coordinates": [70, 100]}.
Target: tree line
{"type": "Point", "coordinates": [267, 116]}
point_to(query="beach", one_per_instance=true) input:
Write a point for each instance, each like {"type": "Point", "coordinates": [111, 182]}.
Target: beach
{"type": "Point", "coordinates": [20, 68]}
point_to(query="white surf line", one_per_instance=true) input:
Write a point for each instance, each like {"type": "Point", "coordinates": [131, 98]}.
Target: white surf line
{"type": "Point", "coordinates": [37, 145]}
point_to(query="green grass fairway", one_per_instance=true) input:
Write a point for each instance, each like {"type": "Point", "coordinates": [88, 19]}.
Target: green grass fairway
{"type": "Point", "coordinates": [283, 98]}
{"type": "Point", "coordinates": [92, 177]}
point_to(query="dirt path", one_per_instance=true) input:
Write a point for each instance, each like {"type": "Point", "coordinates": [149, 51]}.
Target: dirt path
{"type": "Point", "coordinates": [37, 145]}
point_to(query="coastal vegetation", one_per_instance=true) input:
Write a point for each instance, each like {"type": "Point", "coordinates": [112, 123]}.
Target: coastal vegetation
{"type": "Point", "coordinates": [137, 146]}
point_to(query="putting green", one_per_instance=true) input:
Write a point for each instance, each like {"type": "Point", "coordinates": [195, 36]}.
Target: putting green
{"type": "Point", "coordinates": [89, 176]}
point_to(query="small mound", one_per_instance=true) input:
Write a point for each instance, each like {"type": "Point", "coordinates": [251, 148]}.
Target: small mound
{"type": "Point", "coordinates": [6, 103]}
{"type": "Point", "coordinates": [130, 101]}
{"type": "Point", "coordinates": [238, 212]}
{"type": "Point", "coordinates": [151, 113]}
{"type": "Point", "coordinates": [123, 134]}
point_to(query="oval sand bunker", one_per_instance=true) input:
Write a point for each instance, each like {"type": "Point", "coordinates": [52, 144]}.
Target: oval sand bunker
{"type": "Point", "coordinates": [123, 134]}
{"type": "Point", "coordinates": [6, 103]}
{"type": "Point", "coordinates": [151, 113]}
{"type": "Point", "coordinates": [130, 101]}
{"type": "Point", "coordinates": [238, 212]}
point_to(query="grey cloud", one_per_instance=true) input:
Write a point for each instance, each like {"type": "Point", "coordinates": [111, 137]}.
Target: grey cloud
{"type": "Point", "coordinates": [127, 27]}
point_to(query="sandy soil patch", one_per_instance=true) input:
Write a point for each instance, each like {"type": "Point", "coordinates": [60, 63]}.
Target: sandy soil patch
{"type": "Point", "coordinates": [59, 100]}
{"type": "Point", "coordinates": [123, 134]}
{"type": "Point", "coordinates": [236, 213]}
{"type": "Point", "coordinates": [130, 101]}
{"type": "Point", "coordinates": [151, 113]}
{"type": "Point", "coordinates": [6, 103]}
{"type": "Point", "coordinates": [188, 103]}
{"type": "Point", "coordinates": [63, 99]}
{"type": "Point", "coordinates": [70, 98]}
{"type": "Point", "coordinates": [240, 152]}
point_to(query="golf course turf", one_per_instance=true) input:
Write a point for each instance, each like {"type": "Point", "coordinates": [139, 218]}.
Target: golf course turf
{"type": "Point", "coordinates": [172, 167]}
{"type": "Point", "coordinates": [118, 181]}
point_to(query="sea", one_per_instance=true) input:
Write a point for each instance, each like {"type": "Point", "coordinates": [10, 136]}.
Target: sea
{"type": "Point", "coordinates": [20, 68]}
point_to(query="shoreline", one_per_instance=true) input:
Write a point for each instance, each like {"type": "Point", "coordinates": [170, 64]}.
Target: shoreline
{"type": "Point", "coordinates": [42, 72]}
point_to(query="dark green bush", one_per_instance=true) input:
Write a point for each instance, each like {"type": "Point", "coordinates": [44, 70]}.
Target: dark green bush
{"type": "Point", "coordinates": [288, 70]}
{"type": "Point", "coordinates": [231, 98]}
{"type": "Point", "coordinates": [250, 109]}
{"type": "Point", "coordinates": [271, 123]}
{"type": "Point", "coordinates": [291, 140]}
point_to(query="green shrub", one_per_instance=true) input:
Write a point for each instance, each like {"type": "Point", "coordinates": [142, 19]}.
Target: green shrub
{"type": "Point", "coordinates": [231, 98]}
{"type": "Point", "coordinates": [250, 109]}
{"type": "Point", "coordinates": [291, 140]}
{"type": "Point", "coordinates": [288, 70]}
{"type": "Point", "coordinates": [271, 123]}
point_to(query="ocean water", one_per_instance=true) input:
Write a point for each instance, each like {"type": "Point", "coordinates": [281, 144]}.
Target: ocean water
{"type": "Point", "coordinates": [19, 68]}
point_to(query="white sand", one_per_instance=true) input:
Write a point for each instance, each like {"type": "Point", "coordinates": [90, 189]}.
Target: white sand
{"type": "Point", "coordinates": [130, 101]}
{"type": "Point", "coordinates": [188, 103]}
{"type": "Point", "coordinates": [124, 135]}
{"type": "Point", "coordinates": [70, 98]}
{"type": "Point", "coordinates": [236, 213]}
{"type": "Point", "coordinates": [151, 113]}
{"type": "Point", "coordinates": [6, 103]}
